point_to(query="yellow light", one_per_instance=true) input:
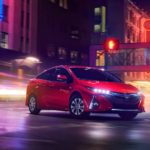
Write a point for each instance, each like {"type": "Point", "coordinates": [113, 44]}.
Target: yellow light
{"type": "Point", "coordinates": [143, 86]}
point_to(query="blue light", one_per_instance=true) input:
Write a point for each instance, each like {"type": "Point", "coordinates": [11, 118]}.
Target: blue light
{"type": "Point", "coordinates": [1, 10]}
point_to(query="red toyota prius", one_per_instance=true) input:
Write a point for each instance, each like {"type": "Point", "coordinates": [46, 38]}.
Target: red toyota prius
{"type": "Point", "coordinates": [82, 90]}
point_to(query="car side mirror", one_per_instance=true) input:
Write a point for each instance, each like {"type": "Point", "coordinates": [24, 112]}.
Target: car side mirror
{"type": "Point", "coordinates": [61, 77]}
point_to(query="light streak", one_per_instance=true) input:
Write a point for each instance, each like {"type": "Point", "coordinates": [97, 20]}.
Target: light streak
{"type": "Point", "coordinates": [12, 92]}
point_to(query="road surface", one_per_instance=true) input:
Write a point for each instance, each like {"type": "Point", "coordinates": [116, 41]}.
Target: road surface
{"type": "Point", "coordinates": [55, 130]}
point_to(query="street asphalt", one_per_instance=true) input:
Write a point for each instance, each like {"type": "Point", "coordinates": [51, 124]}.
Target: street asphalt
{"type": "Point", "coordinates": [56, 130]}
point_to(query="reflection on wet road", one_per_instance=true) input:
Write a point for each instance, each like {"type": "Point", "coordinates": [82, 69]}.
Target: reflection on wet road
{"type": "Point", "coordinates": [52, 130]}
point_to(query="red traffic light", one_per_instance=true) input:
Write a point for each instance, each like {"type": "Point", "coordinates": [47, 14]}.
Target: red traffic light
{"type": "Point", "coordinates": [111, 44]}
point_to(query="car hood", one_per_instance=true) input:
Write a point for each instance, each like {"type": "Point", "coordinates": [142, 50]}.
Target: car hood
{"type": "Point", "coordinates": [111, 86]}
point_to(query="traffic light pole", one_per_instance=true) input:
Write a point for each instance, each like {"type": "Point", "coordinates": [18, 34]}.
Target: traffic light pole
{"type": "Point", "coordinates": [106, 60]}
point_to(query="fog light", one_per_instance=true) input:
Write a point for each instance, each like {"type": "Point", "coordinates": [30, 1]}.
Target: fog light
{"type": "Point", "coordinates": [94, 104]}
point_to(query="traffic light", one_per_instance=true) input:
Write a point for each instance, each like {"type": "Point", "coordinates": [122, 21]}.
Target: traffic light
{"type": "Point", "coordinates": [100, 19]}
{"type": "Point", "coordinates": [111, 44]}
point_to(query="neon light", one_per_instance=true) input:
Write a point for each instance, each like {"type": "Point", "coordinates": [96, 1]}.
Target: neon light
{"type": "Point", "coordinates": [103, 19]}
{"type": "Point", "coordinates": [1, 10]}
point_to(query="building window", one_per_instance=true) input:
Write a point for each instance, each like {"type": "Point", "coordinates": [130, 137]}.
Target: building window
{"type": "Point", "coordinates": [97, 11]}
{"type": "Point", "coordinates": [100, 58]}
{"type": "Point", "coordinates": [74, 56]}
{"type": "Point", "coordinates": [63, 3]}
{"type": "Point", "coordinates": [5, 11]}
{"type": "Point", "coordinates": [51, 51]}
{"type": "Point", "coordinates": [74, 33]}
{"type": "Point", "coordinates": [4, 40]}
{"type": "Point", "coordinates": [97, 28]}
{"type": "Point", "coordinates": [62, 53]}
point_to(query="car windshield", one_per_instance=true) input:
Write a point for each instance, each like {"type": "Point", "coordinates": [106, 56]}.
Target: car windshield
{"type": "Point", "coordinates": [94, 74]}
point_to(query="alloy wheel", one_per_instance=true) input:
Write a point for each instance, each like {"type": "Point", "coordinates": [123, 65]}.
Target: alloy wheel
{"type": "Point", "coordinates": [77, 106]}
{"type": "Point", "coordinates": [33, 105]}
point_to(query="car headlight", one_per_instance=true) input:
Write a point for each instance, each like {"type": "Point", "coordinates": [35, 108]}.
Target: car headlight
{"type": "Point", "coordinates": [98, 90]}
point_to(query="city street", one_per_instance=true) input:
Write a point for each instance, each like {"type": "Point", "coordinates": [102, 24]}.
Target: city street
{"type": "Point", "coordinates": [82, 56]}
{"type": "Point", "coordinates": [55, 130]}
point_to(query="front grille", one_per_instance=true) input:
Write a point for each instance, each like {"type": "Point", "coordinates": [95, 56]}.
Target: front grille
{"type": "Point", "coordinates": [124, 101]}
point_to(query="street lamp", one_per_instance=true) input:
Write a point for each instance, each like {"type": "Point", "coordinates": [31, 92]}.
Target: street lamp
{"type": "Point", "coordinates": [29, 63]}
{"type": "Point", "coordinates": [32, 59]}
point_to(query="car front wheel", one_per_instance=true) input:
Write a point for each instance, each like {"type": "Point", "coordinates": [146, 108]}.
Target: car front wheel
{"type": "Point", "coordinates": [77, 108]}
{"type": "Point", "coordinates": [33, 105]}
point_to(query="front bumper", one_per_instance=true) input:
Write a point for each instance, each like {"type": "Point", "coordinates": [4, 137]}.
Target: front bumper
{"type": "Point", "coordinates": [116, 103]}
{"type": "Point", "coordinates": [126, 110]}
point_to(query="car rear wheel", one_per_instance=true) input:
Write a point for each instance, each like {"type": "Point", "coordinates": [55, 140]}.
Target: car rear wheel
{"type": "Point", "coordinates": [33, 105]}
{"type": "Point", "coordinates": [77, 108]}
{"type": "Point", "coordinates": [127, 115]}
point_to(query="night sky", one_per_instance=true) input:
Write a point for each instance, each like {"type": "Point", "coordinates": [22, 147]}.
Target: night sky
{"type": "Point", "coordinates": [143, 4]}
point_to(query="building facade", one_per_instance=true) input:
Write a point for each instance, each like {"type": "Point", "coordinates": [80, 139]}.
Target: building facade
{"type": "Point", "coordinates": [63, 31]}
{"type": "Point", "coordinates": [17, 25]}
{"type": "Point", "coordinates": [134, 24]}
{"type": "Point", "coordinates": [121, 19]}
{"type": "Point", "coordinates": [124, 21]}
{"type": "Point", "coordinates": [55, 31]}
{"type": "Point", "coordinates": [63, 35]}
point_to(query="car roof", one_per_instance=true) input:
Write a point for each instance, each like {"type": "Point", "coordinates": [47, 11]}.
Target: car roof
{"type": "Point", "coordinates": [73, 66]}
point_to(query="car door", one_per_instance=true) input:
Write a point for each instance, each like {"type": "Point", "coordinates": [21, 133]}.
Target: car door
{"type": "Point", "coordinates": [61, 89]}
{"type": "Point", "coordinates": [45, 88]}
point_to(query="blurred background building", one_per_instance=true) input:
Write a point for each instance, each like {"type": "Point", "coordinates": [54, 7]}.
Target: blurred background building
{"type": "Point", "coordinates": [64, 31]}
{"type": "Point", "coordinates": [56, 31]}
{"type": "Point", "coordinates": [121, 19]}
{"type": "Point", "coordinates": [130, 24]}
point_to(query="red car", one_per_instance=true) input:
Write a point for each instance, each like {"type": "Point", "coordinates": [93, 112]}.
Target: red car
{"type": "Point", "coordinates": [82, 90]}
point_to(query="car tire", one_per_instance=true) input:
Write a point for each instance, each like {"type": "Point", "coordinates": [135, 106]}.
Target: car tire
{"type": "Point", "coordinates": [127, 115]}
{"type": "Point", "coordinates": [33, 106]}
{"type": "Point", "coordinates": [76, 107]}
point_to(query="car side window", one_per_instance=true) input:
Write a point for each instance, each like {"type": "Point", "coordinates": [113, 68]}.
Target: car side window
{"type": "Point", "coordinates": [62, 71]}
{"type": "Point", "coordinates": [47, 75]}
